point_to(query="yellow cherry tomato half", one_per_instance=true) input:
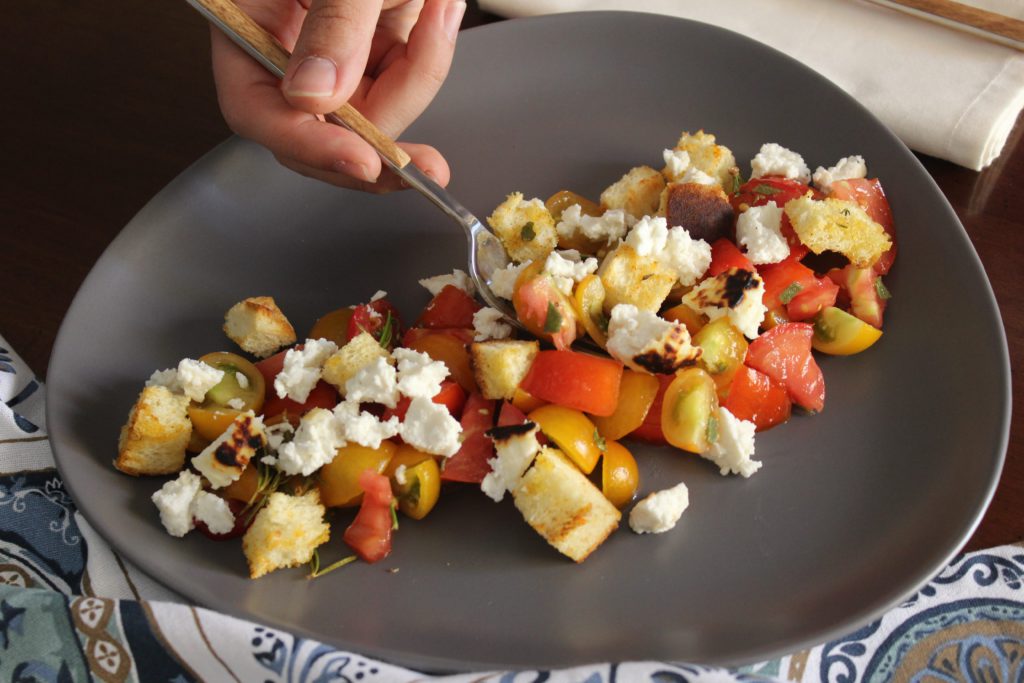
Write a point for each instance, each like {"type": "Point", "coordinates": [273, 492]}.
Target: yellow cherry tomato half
{"type": "Point", "coordinates": [242, 385]}
{"type": "Point", "coordinates": [620, 476]}
{"type": "Point", "coordinates": [838, 333]}
{"type": "Point", "coordinates": [723, 350]}
{"type": "Point", "coordinates": [338, 480]}
{"type": "Point", "coordinates": [572, 431]}
{"type": "Point", "coordinates": [333, 326]}
{"type": "Point", "coordinates": [419, 489]}
{"type": "Point", "coordinates": [682, 313]}
{"type": "Point", "coordinates": [689, 405]}
{"type": "Point", "coordinates": [449, 350]}
{"type": "Point", "coordinates": [637, 392]}
{"type": "Point", "coordinates": [526, 402]}
{"type": "Point", "coordinates": [588, 300]}
{"type": "Point", "coordinates": [562, 200]}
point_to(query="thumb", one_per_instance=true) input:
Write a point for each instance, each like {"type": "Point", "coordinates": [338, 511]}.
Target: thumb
{"type": "Point", "coordinates": [330, 54]}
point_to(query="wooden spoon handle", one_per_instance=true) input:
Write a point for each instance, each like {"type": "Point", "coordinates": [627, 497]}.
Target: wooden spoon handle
{"type": "Point", "coordinates": [255, 40]}
{"type": "Point", "coordinates": [996, 27]}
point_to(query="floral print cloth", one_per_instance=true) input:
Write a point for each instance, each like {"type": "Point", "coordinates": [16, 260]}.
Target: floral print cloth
{"type": "Point", "coordinates": [72, 610]}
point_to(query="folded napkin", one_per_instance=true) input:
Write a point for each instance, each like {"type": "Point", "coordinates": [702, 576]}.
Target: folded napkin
{"type": "Point", "coordinates": [71, 609]}
{"type": "Point", "coordinates": [943, 92]}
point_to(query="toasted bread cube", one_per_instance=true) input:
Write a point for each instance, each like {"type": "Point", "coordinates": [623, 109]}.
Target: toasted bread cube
{"type": "Point", "coordinates": [499, 366]}
{"type": "Point", "coordinates": [630, 278]}
{"type": "Point", "coordinates": [715, 160]}
{"type": "Point", "coordinates": [258, 326]}
{"type": "Point", "coordinates": [359, 352]}
{"type": "Point", "coordinates": [285, 532]}
{"type": "Point", "coordinates": [840, 226]}
{"type": "Point", "coordinates": [637, 193]}
{"type": "Point", "coordinates": [158, 430]}
{"type": "Point", "coordinates": [526, 228]}
{"type": "Point", "coordinates": [563, 506]}
{"type": "Point", "coordinates": [703, 210]}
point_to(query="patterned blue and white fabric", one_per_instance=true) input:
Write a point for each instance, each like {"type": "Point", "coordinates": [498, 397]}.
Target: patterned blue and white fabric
{"type": "Point", "coordinates": [72, 610]}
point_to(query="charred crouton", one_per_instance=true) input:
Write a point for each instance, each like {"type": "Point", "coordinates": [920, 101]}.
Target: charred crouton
{"type": "Point", "coordinates": [629, 278]}
{"type": "Point", "coordinates": [526, 228]}
{"type": "Point", "coordinates": [158, 430]}
{"type": "Point", "coordinates": [840, 226]}
{"type": "Point", "coordinates": [224, 459]}
{"type": "Point", "coordinates": [499, 366]}
{"type": "Point", "coordinates": [703, 210]}
{"type": "Point", "coordinates": [258, 326]}
{"type": "Point", "coordinates": [285, 532]}
{"type": "Point", "coordinates": [344, 363]}
{"type": "Point", "coordinates": [715, 160]}
{"type": "Point", "coordinates": [563, 506]}
{"type": "Point", "coordinates": [637, 193]}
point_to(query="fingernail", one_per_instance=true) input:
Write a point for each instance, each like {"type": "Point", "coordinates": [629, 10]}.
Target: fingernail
{"type": "Point", "coordinates": [315, 77]}
{"type": "Point", "coordinates": [355, 170]}
{"type": "Point", "coordinates": [453, 19]}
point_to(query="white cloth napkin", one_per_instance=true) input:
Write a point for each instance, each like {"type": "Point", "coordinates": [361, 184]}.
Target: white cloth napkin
{"type": "Point", "coordinates": [943, 92]}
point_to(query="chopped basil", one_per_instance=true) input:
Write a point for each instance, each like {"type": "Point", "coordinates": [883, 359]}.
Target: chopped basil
{"type": "Point", "coordinates": [602, 322]}
{"type": "Point", "coordinates": [387, 331]}
{"type": "Point", "coordinates": [527, 232]}
{"type": "Point", "coordinates": [766, 190]}
{"type": "Point", "coordinates": [737, 180]}
{"type": "Point", "coordinates": [553, 322]}
{"type": "Point", "coordinates": [314, 565]}
{"type": "Point", "coordinates": [882, 291]}
{"type": "Point", "coordinates": [789, 293]}
{"type": "Point", "coordinates": [602, 444]}
{"type": "Point", "coordinates": [712, 429]}
{"type": "Point", "coordinates": [846, 212]}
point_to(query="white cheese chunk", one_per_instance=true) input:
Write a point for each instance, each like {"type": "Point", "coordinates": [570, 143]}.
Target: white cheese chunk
{"type": "Point", "coordinates": [567, 268]}
{"type": "Point", "coordinates": [695, 175]}
{"type": "Point", "coordinates": [775, 160]}
{"type": "Point", "coordinates": [648, 343]}
{"type": "Point", "coordinates": [375, 382]}
{"type": "Point", "coordinates": [174, 501]}
{"type": "Point", "coordinates": [378, 295]}
{"type": "Point", "coordinates": [514, 453]}
{"type": "Point", "coordinates": [503, 280]}
{"type": "Point", "coordinates": [676, 163]}
{"type": "Point", "coordinates": [429, 427]}
{"type": "Point", "coordinates": [660, 511]}
{"type": "Point", "coordinates": [302, 369]}
{"type": "Point", "coordinates": [457, 278]}
{"type": "Point", "coordinates": [845, 169]}
{"type": "Point", "coordinates": [673, 248]}
{"type": "Point", "coordinates": [606, 228]}
{"type": "Point", "coordinates": [489, 323]}
{"type": "Point", "coordinates": [366, 429]}
{"type": "Point", "coordinates": [213, 511]}
{"type": "Point", "coordinates": [193, 378]}
{"type": "Point", "coordinates": [223, 461]}
{"type": "Point", "coordinates": [759, 230]}
{"type": "Point", "coordinates": [243, 381]}
{"type": "Point", "coordinates": [733, 448]}
{"type": "Point", "coordinates": [317, 440]}
{"type": "Point", "coordinates": [418, 374]}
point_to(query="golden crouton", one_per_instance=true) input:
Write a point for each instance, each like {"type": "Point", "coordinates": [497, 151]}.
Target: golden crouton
{"type": "Point", "coordinates": [563, 506]}
{"type": "Point", "coordinates": [715, 160]}
{"type": "Point", "coordinates": [637, 193]}
{"type": "Point", "coordinates": [157, 432]}
{"type": "Point", "coordinates": [526, 228]}
{"type": "Point", "coordinates": [629, 278]}
{"type": "Point", "coordinates": [703, 210]}
{"type": "Point", "coordinates": [285, 532]}
{"type": "Point", "coordinates": [840, 226]}
{"type": "Point", "coordinates": [499, 366]}
{"type": "Point", "coordinates": [258, 326]}
{"type": "Point", "coordinates": [359, 352]}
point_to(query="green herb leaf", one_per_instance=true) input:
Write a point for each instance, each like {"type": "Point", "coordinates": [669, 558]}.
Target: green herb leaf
{"type": "Point", "coordinates": [387, 331]}
{"type": "Point", "coordinates": [882, 291]}
{"type": "Point", "coordinates": [553, 321]}
{"type": "Point", "coordinates": [846, 212]}
{"type": "Point", "coordinates": [527, 232]}
{"type": "Point", "coordinates": [712, 429]}
{"type": "Point", "coordinates": [314, 565]}
{"type": "Point", "coordinates": [602, 444]}
{"type": "Point", "coordinates": [766, 190]}
{"type": "Point", "coordinates": [737, 180]}
{"type": "Point", "coordinates": [394, 515]}
{"type": "Point", "coordinates": [789, 293]}
{"type": "Point", "coordinates": [602, 322]}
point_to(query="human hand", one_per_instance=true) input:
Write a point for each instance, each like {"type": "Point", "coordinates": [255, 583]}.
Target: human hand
{"type": "Point", "coordinates": [387, 58]}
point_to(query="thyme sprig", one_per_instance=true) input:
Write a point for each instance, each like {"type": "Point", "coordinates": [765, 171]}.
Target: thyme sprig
{"type": "Point", "coordinates": [314, 565]}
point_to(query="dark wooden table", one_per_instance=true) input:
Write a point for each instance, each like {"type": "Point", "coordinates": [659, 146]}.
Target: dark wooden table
{"type": "Point", "coordinates": [106, 102]}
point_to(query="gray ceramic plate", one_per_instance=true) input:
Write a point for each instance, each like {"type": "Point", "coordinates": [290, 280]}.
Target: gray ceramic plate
{"type": "Point", "coordinates": [853, 510]}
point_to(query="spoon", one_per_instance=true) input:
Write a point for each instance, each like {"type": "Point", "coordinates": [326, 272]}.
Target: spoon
{"type": "Point", "coordinates": [486, 252]}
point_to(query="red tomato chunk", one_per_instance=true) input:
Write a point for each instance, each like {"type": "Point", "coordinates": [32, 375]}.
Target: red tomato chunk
{"type": "Point", "coordinates": [575, 380]}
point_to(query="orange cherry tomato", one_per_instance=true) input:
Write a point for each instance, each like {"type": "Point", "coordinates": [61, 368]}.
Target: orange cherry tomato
{"type": "Point", "coordinates": [244, 488]}
{"type": "Point", "coordinates": [588, 300]}
{"type": "Point", "coordinates": [620, 476]}
{"type": "Point", "coordinates": [451, 351]}
{"type": "Point", "coordinates": [572, 432]}
{"type": "Point", "coordinates": [338, 480]}
{"type": "Point", "coordinates": [333, 326]}
{"type": "Point", "coordinates": [636, 395]}
{"type": "Point", "coordinates": [525, 402]}
{"type": "Point", "coordinates": [684, 314]}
